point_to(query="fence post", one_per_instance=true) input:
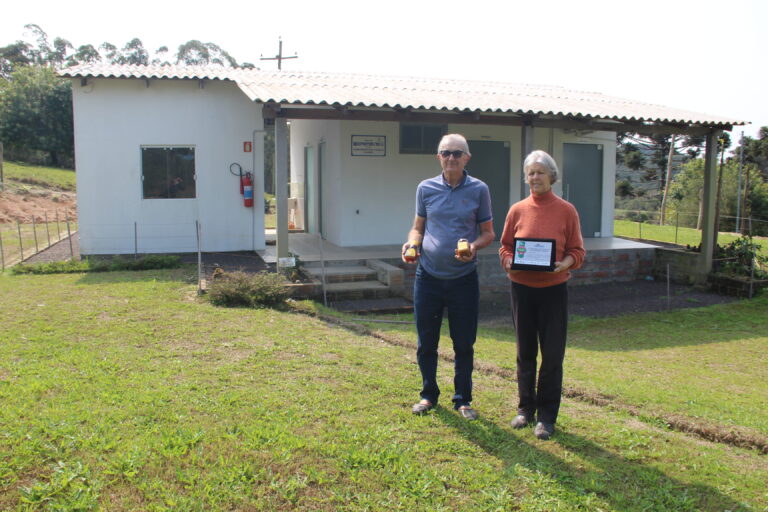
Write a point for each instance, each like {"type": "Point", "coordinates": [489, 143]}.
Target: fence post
{"type": "Point", "coordinates": [47, 231]}
{"type": "Point", "coordinates": [640, 230]}
{"type": "Point", "coordinates": [2, 254]}
{"type": "Point", "coordinates": [199, 260]}
{"type": "Point", "coordinates": [2, 176]}
{"type": "Point", "coordinates": [69, 237]}
{"type": "Point", "coordinates": [58, 229]}
{"type": "Point", "coordinates": [677, 224]}
{"type": "Point", "coordinates": [136, 240]}
{"type": "Point", "coordinates": [21, 245]}
{"type": "Point", "coordinates": [34, 234]}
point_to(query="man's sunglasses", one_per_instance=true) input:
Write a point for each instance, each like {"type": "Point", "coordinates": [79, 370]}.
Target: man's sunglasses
{"type": "Point", "coordinates": [455, 154]}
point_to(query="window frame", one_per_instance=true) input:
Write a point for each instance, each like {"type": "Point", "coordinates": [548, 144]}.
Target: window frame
{"type": "Point", "coordinates": [424, 147]}
{"type": "Point", "coordinates": [172, 170]}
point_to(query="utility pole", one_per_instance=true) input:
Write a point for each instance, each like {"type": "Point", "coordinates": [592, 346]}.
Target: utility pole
{"type": "Point", "coordinates": [279, 57]}
{"type": "Point", "coordinates": [738, 187]}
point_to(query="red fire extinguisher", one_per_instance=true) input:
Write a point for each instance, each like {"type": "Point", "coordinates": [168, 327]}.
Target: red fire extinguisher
{"type": "Point", "coordinates": [247, 185]}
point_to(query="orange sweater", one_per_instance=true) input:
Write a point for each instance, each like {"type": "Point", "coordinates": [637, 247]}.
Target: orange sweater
{"type": "Point", "coordinates": [545, 216]}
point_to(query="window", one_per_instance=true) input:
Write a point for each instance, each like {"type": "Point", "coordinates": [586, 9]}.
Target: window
{"type": "Point", "coordinates": [421, 139]}
{"type": "Point", "coordinates": [168, 172]}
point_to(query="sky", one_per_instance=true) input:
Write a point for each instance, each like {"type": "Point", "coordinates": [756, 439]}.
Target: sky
{"type": "Point", "coordinates": [699, 55]}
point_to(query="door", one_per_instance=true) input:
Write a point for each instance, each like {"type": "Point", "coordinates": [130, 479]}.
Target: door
{"type": "Point", "coordinates": [490, 163]}
{"type": "Point", "coordinates": [583, 184]}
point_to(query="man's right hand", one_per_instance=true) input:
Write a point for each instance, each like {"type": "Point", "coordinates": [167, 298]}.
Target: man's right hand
{"type": "Point", "coordinates": [408, 255]}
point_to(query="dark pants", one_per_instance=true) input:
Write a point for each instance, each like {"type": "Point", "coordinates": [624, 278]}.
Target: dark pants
{"type": "Point", "coordinates": [461, 297]}
{"type": "Point", "coordinates": [540, 316]}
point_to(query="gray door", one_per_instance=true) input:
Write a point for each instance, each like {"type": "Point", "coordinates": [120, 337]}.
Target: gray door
{"type": "Point", "coordinates": [583, 184]}
{"type": "Point", "coordinates": [490, 163]}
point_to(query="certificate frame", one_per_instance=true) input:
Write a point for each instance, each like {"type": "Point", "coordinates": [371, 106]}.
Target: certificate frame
{"type": "Point", "coordinates": [540, 261]}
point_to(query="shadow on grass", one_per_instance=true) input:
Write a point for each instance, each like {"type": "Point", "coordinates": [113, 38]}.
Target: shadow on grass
{"type": "Point", "coordinates": [624, 484]}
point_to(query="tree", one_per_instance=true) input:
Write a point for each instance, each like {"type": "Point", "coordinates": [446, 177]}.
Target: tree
{"type": "Point", "coordinates": [755, 151]}
{"type": "Point", "coordinates": [195, 53]}
{"type": "Point", "coordinates": [685, 195]}
{"type": "Point", "coordinates": [133, 53]}
{"type": "Point", "coordinates": [36, 115]}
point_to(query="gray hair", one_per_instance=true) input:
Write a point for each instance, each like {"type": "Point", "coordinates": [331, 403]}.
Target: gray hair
{"type": "Point", "coordinates": [543, 158]}
{"type": "Point", "coordinates": [459, 139]}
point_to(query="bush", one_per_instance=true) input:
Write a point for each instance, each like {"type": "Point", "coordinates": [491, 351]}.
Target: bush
{"type": "Point", "coordinates": [251, 290]}
{"type": "Point", "coordinates": [742, 256]}
{"type": "Point", "coordinates": [149, 262]}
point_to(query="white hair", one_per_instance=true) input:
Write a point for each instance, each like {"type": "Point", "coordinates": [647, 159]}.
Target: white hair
{"type": "Point", "coordinates": [543, 158]}
{"type": "Point", "coordinates": [458, 139]}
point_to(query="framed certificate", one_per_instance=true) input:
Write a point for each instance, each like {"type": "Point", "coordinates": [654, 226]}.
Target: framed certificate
{"type": "Point", "coordinates": [534, 254]}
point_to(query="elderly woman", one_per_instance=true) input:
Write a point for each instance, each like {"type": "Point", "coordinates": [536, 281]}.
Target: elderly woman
{"type": "Point", "coordinates": [540, 298]}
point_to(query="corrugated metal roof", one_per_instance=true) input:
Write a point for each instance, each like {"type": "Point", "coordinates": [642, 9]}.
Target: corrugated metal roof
{"type": "Point", "coordinates": [378, 91]}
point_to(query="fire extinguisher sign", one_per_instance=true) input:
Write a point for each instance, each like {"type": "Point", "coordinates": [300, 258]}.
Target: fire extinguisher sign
{"type": "Point", "coordinates": [247, 147]}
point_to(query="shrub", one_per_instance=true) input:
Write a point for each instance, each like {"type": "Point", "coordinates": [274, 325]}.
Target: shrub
{"type": "Point", "coordinates": [251, 290]}
{"type": "Point", "coordinates": [149, 262]}
{"type": "Point", "coordinates": [741, 257]}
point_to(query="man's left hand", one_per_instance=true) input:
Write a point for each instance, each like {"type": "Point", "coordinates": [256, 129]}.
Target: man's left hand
{"type": "Point", "coordinates": [468, 258]}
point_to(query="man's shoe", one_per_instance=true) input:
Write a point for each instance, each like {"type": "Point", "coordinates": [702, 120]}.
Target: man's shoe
{"type": "Point", "coordinates": [544, 430]}
{"type": "Point", "coordinates": [422, 407]}
{"type": "Point", "coordinates": [468, 412]}
{"type": "Point", "coordinates": [521, 421]}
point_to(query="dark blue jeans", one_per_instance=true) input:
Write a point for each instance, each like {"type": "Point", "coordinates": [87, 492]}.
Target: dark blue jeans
{"type": "Point", "coordinates": [460, 297]}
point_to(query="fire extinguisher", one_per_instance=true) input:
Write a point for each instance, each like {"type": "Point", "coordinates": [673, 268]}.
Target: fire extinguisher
{"type": "Point", "coordinates": [247, 185]}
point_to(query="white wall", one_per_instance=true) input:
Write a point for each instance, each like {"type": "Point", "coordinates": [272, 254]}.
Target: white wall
{"type": "Point", "coordinates": [371, 200]}
{"type": "Point", "coordinates": [115, 117]}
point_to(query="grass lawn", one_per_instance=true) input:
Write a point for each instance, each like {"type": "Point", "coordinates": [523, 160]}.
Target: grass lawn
{"type": "Point", "coordinates": [50, 177]}
{"type": "Point", "coordinates": [681, 236]}
{"type": "Point", "coordinates": [121, 391]}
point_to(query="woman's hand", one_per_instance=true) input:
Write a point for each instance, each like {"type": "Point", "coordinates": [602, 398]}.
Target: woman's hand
{"type": "Point", "coordinates": [562, 266]}
{"type": "Point", "coordinates": [510, 271]}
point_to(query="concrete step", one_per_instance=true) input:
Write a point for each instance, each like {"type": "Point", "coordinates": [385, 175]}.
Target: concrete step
{"type": "Point", "coordinates": [356, 290]}
{"type": "Point", "coordinates": [343, 274]}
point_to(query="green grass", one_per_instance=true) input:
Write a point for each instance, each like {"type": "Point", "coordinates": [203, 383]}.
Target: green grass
{"type": "Point", "coordinates": [123, 391]}
{"type": "Point", "coordinates": [48, 177]}
{"type": "Point", "coordinates": [680, 236]}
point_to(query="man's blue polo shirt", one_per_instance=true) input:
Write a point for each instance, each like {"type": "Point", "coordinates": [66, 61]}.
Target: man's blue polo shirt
{"type": "Point", "coordinates": [450, 213]}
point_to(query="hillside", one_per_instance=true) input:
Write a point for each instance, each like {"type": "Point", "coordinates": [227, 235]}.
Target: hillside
{"type": "Point", "coordinates": [32, 192]}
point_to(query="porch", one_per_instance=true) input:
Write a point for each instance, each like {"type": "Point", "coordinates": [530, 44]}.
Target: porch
{"type": "Point", "coordinates": [608, 260]}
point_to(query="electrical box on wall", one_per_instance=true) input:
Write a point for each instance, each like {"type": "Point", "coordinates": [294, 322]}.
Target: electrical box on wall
{"type": "Point", "coordinates": [247, 146]}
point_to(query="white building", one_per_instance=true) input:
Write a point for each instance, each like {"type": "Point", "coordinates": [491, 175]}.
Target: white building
{"type": "Point", "coordinates": [359, 145]}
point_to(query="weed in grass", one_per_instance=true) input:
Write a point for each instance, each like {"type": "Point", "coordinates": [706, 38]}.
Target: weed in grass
{"type": "Point", "coordinates": [70, 487]}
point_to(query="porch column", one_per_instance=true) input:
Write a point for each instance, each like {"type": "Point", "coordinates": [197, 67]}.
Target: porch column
{"type": "Point", "coordinates": [709, 200]}
{"type": "Point", "coordinates": [526, 146]}
{"type": "Point", "coordinates": [281, 186]}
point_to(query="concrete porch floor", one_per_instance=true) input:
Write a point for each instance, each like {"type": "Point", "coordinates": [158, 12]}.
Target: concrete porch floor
{"type": "Point", "coordinates": [308, 248]}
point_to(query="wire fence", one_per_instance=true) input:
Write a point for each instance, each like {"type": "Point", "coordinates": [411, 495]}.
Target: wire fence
{"type": "Point", "coordinates": [646, 223]}
{"type": "Point", "coordinates": [20, 241]}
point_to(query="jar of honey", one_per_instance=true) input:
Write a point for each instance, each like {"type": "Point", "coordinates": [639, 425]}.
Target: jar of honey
{"type": "Point", "coordinates": [462, 247]}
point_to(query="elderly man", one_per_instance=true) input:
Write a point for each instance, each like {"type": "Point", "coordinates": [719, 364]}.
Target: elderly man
{"type": "Point", "coordinates": [449, 207]}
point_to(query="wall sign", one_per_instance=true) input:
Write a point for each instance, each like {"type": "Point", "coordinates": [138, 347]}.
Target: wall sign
{"type": "Point", "coordinates": [369, 145]}
{"type": "Point", "coordinates": [247, 146]}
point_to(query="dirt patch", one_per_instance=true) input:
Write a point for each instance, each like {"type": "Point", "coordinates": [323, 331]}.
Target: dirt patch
{"type": "Point", "coordinates": [23, 203]}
